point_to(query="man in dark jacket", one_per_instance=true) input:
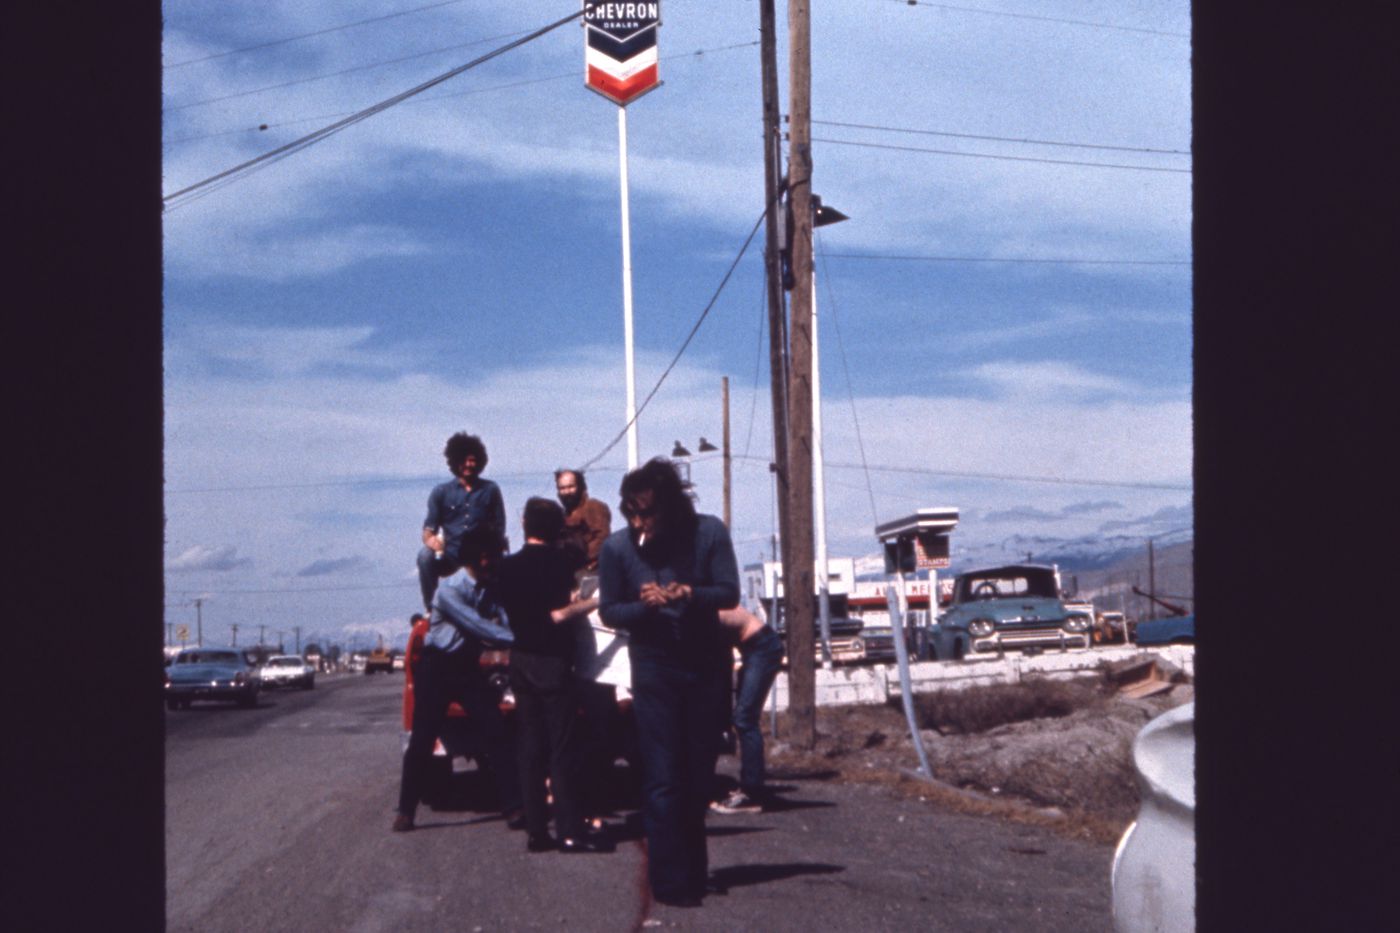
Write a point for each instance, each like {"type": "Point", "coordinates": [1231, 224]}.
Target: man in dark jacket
{"type": "Point", "coordinates": [664, 579]}
{"type": "Point", "coordinates": [534, 585]}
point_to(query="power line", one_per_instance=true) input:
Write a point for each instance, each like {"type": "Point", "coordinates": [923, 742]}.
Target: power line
{"type": "Point", "coordinates": [337, 74]}
{"type": "Point", "coordinates": [689, 337]}
{"type": "Point", "coordinates": [308, 35]}
{"type": "Point", "coordinates": [1047, 19]}
{"type": "Point", "coordinates": [1008, 477]}
{"type": "Point", "coordinates": [1000, 139]}
{"type": "Point", "coordinates": [245, 168]}
{"type": "Point", "coordinates": [850, 389]}
{"type": "Point", "coordinates": [1006, 158]}
{"type": "Point", "coordinates": [306, 589]}
{"type": "Point", "coordinates": [698, 53]}
{"type": "Point", "coordinates": [1015, 259]}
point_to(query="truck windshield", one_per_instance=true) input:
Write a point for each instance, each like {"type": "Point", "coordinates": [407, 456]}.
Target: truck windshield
{"type": "Point", "coordinates": [1000, 585]}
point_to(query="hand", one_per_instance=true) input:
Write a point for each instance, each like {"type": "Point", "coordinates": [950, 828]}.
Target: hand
{"type": "Point", "coordinates": [677, 591]}
{"type": "Point", "coordinates": [653, 595]}
{"type": "Point", "coordinates": [558, 616]}
{"type": "Point", "coordinates": [437, 544]}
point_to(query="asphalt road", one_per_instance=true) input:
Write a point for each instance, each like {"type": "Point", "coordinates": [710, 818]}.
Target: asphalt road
{"type": "Point", "coordinates": [277, 818]}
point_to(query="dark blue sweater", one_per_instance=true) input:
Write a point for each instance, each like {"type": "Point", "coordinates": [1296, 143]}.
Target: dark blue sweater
{"type": "Point", "coordinates": [687, 632]}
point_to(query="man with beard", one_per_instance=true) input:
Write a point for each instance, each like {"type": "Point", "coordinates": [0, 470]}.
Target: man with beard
{"type": "Point", "coordinates": [664, 579]}
{"type": "Point", "coordinates": [587, 521]}
{"type": "Point", "coordinates": [461, 506]}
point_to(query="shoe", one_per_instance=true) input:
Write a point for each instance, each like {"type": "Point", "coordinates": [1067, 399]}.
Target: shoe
{"type": "Point", "coordinates": [543, 843]}
{"type": "Point", "coordinates": [683, 900]}
{"type": "Point", "coordinates": [402, 823]}
{"type": "Point", "coordinates": [737, 802]}
{"type": "Point", "coordinates": [588, 842]}
{"type": "Point", "coordinates": [515, 819]}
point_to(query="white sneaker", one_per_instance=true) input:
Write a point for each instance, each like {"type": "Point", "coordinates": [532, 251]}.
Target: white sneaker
{"type": "Point", "coordinates": [737, 802]}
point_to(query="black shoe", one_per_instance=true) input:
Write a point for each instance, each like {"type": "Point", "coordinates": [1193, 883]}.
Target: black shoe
{"type": "Point", "coordinates": [515, 819]}
{"type": "Point", "coordinates": [588, 842]}
{"type": "Point", "coordinates": [543, 843]}
{"type": "Point", "coordinates": [402, 823]}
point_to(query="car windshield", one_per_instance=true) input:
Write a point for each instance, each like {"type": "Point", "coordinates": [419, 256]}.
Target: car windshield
{"type": "Point", "coordinates": [1000, 584]}
{"type": "Point", "coordinates": [208, 657]}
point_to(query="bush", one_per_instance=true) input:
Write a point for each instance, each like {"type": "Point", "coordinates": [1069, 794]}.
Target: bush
{"type": "Point", "coordinates": [977, 709]}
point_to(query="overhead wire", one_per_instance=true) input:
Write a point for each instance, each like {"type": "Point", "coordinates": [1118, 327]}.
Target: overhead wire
{"type": "Point", "coordinates": [1007, 477]}
{"type": "Point", "coordinates": [337, 74]}
{"type": "Point", "coordinates": [1000, 139]}
{"type": "Point", "coordinates": [308, 35]}
{"type": "Point", "coordinates": [1046, 19]}
{"type": "Point", "coordinates": [263, 127]}
{"type": "Point", "coordinates": [850, 390]}
{"type": "Point", "coordinates": [281, 152]}
{"type": "Point", "coordinates": [1006, 158]}
{"type": "Point", "coordinates": [1018, 259]}
{"type": "Point", "coordinates": [684, 345]}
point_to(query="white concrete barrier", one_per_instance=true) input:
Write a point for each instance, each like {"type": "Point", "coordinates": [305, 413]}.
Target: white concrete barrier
{"type": "Point", "coordinates": [848, 685]}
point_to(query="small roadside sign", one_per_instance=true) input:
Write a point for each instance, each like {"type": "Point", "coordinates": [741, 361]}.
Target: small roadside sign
{"type": "Point", "coordinates": [182, 632]}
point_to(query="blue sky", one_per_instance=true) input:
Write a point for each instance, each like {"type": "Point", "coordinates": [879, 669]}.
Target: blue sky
{"type": "Point", "coordinates": [454, 263]}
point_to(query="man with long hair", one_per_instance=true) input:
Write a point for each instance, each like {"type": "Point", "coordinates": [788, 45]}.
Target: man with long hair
{"type": "Point", "coordinates": [665, 579]}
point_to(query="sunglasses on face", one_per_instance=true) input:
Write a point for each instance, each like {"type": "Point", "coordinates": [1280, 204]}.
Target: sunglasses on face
{"type": "Point", "coordinates": [631, 511]}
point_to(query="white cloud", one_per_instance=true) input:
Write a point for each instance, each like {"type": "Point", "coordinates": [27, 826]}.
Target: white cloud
{"type": "Point", "coordinates": [1048, 379]}
{"type": "Point", "coordinates": [203, 557]}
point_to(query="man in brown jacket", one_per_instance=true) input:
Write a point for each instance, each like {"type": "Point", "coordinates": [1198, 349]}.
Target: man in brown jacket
{"type": "Point", "coordinates": [587, 521]}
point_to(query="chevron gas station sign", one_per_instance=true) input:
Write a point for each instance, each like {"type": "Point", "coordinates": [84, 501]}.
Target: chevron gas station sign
{"type": "Point", "coordinates": [620, 49]}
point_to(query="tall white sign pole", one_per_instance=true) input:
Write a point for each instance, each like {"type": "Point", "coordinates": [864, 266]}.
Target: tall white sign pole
{"type": "Point", "coordinates": [627, 294]}
{"type": "Point", "coordinates": [819, 491]}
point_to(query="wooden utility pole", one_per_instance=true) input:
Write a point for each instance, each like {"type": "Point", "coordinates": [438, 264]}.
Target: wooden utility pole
{"type": "Point", "coordinates": [728, 471]}
{"type": "Point", "coordinates": [777, 317]}
{"type": "Point", "coordinates": [800, 556]}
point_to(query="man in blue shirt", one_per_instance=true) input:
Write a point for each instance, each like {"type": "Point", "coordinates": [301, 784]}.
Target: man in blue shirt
{"type": "Point", "coordinates": [665, 579]}
{"type": "Point", "coordinates": [461, 505]}
{"type": "Point", "coordinates": [465, 620]}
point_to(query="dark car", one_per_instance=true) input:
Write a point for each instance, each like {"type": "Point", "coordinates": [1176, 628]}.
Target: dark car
{"type": "Point", "coordinates": [1172, 630]}
{"type": "Point", "coordinates": [1013, 607]}
{"type": "Point", "coordinates": [210, 674]}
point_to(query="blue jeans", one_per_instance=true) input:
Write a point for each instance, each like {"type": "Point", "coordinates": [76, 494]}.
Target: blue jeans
{"type": "Point", "coordinates": [680, 716]}
{"type": "Point", "coordinates": [762, 657]}
{"type": "Point", "coordinates": [430, 571]}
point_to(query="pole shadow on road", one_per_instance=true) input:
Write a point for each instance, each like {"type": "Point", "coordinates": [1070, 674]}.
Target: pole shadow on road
{"type": "Point", "coordinates": [737, 876]}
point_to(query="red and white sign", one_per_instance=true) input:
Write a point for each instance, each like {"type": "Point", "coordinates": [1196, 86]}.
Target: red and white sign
{"type": "Point", "coordinates": [619, 51]}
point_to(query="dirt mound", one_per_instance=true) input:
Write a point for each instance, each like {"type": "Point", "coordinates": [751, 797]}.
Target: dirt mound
{"type": "Point", "coordinates": [1048, 751]}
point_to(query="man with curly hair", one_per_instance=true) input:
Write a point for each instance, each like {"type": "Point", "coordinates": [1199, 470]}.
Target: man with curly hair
{"type": "Point", "coordinates": [465, 504]}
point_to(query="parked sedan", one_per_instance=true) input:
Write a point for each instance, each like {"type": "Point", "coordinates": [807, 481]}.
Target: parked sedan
{"type": "Point", "coordinates": [287, 670]}
{"type": "Point", "coordinates": [210, 674]}
{"type": "Point", "coordinates": [1013, 607]}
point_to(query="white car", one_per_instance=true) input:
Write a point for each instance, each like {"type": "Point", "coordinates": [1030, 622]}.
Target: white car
{"type": "Point", "coordinates": [287, 670]}
{"type": "Point", "coordinates": [1154, 869]}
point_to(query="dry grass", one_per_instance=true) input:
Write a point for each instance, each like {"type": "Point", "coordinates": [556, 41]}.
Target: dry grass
{"type": "Point", "coordinates": [966, 712]}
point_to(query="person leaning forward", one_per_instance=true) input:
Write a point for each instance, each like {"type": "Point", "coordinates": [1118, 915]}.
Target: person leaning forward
{"type": "Point", "coordinates": [465, 504]}
{"type": "Point", "coordinates": [465, 620]}
{"type": "Point", "coordinates": [665, 579]}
